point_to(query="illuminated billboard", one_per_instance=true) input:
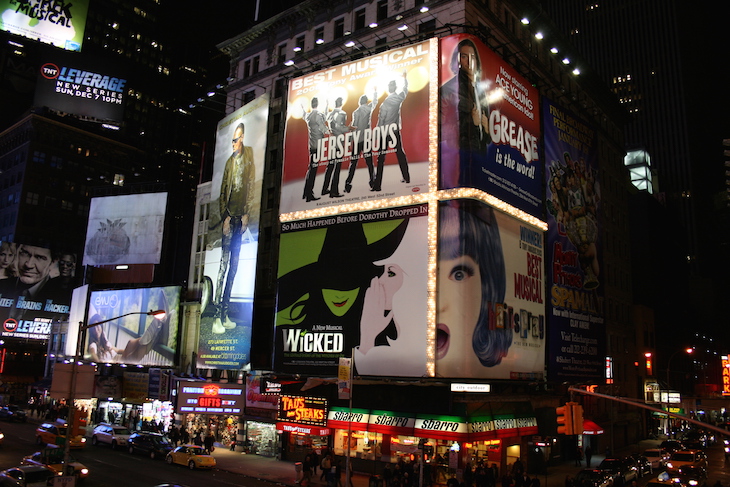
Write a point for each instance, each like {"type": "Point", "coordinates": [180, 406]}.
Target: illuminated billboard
{"type": "Point", "coordinates": [490, 125]}
{"type": "Point", "coordinates": [490, 305]}
{"type": "Point", "coordinates": [210, 398]}
{"type": "Point", "coordinates": [574, 249]}
{"type": "Point", "coordinates": [359, 131]}
{"type": "Point", "coordinates": [131, 336]}
{"type": "Point", "coordinates": [125, 229]}
{"type": "Point", "coordinates": [354, 281]}
{"type": "Point", "coordinates": [60, 23]}
{"type": "Point", "coordinates": [233, 238]}
{"type": "Point", "coordinates": [36, 285]}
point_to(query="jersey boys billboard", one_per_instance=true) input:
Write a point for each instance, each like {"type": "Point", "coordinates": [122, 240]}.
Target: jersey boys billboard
{"type": "Point", "coordinates": [490, 306]}
{"type": "Point", "coordinates": [354, 281]}
{"type": "Point", "coordinates": [490, 125]}
{"type": "Point", "coordinates": [574, 250]}
{"type": "Point", "coordinates": [233, 238]}
{"type": "Point", "coordinates": [77, 84]}
{"type": "Point", "coordinates": [358, 131]}
{"type": "Point", "coordinates": [60, 22]}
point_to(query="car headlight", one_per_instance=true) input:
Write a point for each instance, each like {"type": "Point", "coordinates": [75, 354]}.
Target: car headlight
{"type": "Point", "coordinates": [84, 471]}
{"type": "Point", "coordinates": [2, 436]}
{"type": "Point", "coordinates": [83, 440]}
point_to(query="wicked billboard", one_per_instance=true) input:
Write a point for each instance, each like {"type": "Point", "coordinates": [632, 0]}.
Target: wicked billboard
{"type": "Point", "coordinates": [354, 281]}
{"type": "Point", "coordinates": [490, 125]}
{"type": "Point", "coordinates": [359, 131]}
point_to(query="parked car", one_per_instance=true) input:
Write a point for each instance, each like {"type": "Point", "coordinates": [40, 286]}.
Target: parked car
{"type": "Point", "coordinates": [112, 434]}
{"type": "Point", "coordinates": [622, 470]}
{"type": "Point", "coordinates": [53, 458]}
{"type": "Point", "coordinates": [672, 445]}
{"type": "Point", "coordinates": [643, 465]}
{"type": "Point", "coordinates": [13, 413]}
{"type": "Point", "coordinates": [192, 456]}
{"type": "Point", "coordinates": [687, 457]}
{"type": "Point", "coordinates": [55, 434]}
{"type": "Point", "coordinates": [30, 475]}
{"type": "Point", "coordinates": [657, 457]}
{"type": "Point", "coordinates": [592, 477]}
{"type": "Point", "coordinates": [153, 444]}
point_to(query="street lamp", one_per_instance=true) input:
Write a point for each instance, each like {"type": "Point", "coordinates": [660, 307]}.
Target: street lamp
{"type": "Point", "coordinates": [159, 314]}
{"type": "Point", "coordinates": [688, 351]}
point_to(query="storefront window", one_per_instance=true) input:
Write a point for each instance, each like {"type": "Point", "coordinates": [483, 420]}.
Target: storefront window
{"type": "Point", "coordinates": [261, 438]}
{"type": "Point", "coordinates": [485, 451]}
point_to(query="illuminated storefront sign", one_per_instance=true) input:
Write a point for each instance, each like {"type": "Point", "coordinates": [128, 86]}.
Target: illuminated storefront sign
{"type": "Point", "coordinates": [303, 410]}
{"type": "Point", "coordinates": [210, 398]}
{"type": "Point", "coordinates": [725, 375]}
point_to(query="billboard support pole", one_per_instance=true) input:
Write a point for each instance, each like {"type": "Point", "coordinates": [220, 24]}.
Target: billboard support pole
{"type": "Point", "coordinates": [348, 472]}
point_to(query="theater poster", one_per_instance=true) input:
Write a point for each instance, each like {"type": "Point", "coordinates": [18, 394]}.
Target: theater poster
{"type": "Point", "coordinates": [60, 23]}
{"type": "Point", "coordinates": [574, 249]}
{"type": "Point", "coordinates": [233, 238]}
{"type": "Point", "coordinates": [490, 125]}
{"type": "Point", "coordinates": [354, 281]}
{"type": "Point", "coordinates": [490, 302]}
{"type": "Point", "coordinates": [359, 131]}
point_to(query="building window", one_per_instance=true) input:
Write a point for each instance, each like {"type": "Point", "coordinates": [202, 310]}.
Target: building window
{"type": "Point", "coordinates": [246, 68]}
{"type": "Point", "coordinates": [382, 10]}
{"type": "Point", "coordinates": [428, 26]}
{"type": "Point", "coordinates": [299, 44]}
{"type": "Point", "coordinates": [32, 198]}
{"type": "Point", "coordinates": [281, 54]}
{"type": "Point", "coordinates": [276, 123]}
{"type": "Point", "coordinates": [249, 96]}
{"type": "Point", "coordinates": [360, 19]}
{"type": "Point", "coordinates": [255, 65]}
{"type": "Point", "coordinates": [340, 28]}
{"type": "Point", "coordinates": [118, 180]}
{"type": "Point", "coordinates": [279, 88]}
{"type": "Point", "coordinates": [39, 157]}
{"type": "Point", "coordinates": [319, 35]}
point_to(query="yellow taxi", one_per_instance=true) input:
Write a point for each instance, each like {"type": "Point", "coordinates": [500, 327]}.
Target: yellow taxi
{"type": "Point", "coordinates": [55, 434]}
{"type": "Point", "coordinates": [192, 456]}
{"type": "Point", "coordinates": [53, 458]}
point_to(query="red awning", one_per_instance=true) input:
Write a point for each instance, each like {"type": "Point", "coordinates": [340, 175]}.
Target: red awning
{"type": "Point", "coordinates": [591, 428]}
{"type": "Point", "coordinates": [302, 428]}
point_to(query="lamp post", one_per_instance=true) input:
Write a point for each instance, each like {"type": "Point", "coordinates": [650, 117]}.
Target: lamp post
{"type": "Point", "coordinates": [78, 357]}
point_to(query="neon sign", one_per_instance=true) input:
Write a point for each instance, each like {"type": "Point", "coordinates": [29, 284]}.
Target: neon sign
{"type": "Point", "coordinates": [725, 375]}
{"type": "Point", "coordinates": [301, 409]}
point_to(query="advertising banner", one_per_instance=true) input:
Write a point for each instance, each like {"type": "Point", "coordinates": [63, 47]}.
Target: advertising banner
{"type": "Point", "coordinates": [358, 131]}
{"type": "Point", "coordinates": [36, 285]}
{"type": "Point", "coordinates": [60, 22]}
{"type": "Point", "coordinates": [574, 250]}
{"type": "Point", "coordinates": [125, 229]}
{"type": "Point", "coordinates": [210, 398]}
{"type": "Point", "coordinates": [131, 336]}
{"type": "Point", "coordinates": [255, 398]}
{"type": "Point", "coordinates": [233, 238]}
{"type": "Point", "coordinates": [490, 303]}
{"type": "Point", "coordinates": [354, 281]}
{"type": "Point", "coordinates": [490, 125]}
{"type": "Point", "coordinates": [76, 84]}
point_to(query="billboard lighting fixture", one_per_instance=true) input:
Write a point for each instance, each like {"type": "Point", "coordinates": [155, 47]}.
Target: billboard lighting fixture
{"type": "Point", "coordinates": [539, 36]}
{"type": "Point", "coordinates": [319, 41]}
{"type": "Point", "coordinates": [525, 21]}
{"type": "Point", "coordinates": [350, 44]}
{"type": "Point", "coordinates": [297, 48]}
{"type": "Point", "coordinates": [211, 93]}
{"type": "Point", "coordinates": [16, 44]}
{"type": "Point", "coordinates": [566, 60]}
{"type": "Point", "coordinates": [290, 62]}
{"type": "Point", "coordinates": [110, 126]}
{"type": "Point", "coordinates": [424, 9]}
{"type": "Point", "coordinates": [373, 25]}
{"type": "Point", "coordinates": [403, 27]}
{"type": "Point", "coordinates": [554, 50]}
{"type": "Point", "coordinates": [576, 71]}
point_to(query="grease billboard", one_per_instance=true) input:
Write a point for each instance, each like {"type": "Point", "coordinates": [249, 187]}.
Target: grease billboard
{"type": "Point", "coordinates": [574, 249]}
{"type": "Point", "coordinates": [490, 125]}
{"type": "Point", "coordinates": [233, 238]}
{"type": "Point", "coordinates": [354, 281]}
{"type": "Point", "coordinates": [358, 131]}
{"type": "Point", "coordinates": [60, 22]}
{"type": "Point", "coordinates": [490, 294]}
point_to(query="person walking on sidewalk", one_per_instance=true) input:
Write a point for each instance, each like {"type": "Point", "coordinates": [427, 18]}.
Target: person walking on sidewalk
{"type": "Point", "coordinates": [589, 454]}
{"type": "Point", "coordinates": [578, 456]}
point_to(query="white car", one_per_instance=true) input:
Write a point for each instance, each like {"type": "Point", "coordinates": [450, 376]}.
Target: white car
{"type": "Point", "coordinates": [657, 456]}
{"type": "Point", "coordinates": [111, 434]}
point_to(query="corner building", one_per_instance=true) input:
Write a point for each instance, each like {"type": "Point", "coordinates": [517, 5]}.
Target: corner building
{"type": "Point", "coordinates": [439, 179]}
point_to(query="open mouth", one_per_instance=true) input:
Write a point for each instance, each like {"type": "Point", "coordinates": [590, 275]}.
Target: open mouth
{"type": "Point", "coordinates": [442, 340]}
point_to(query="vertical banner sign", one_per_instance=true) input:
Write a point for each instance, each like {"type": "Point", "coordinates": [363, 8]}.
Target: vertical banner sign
{"type": "Point", "coordinates": [490, 300]}
{"type": "Point", "coordinates": [233, 236]}
{"type": "Point", "coordinates": [358, 131]}
{"type": "Point", "coordinates": [354, 280]}
{"type": "Point", "coordinates": [344, 384]}
{"type": "Point", "coordinates": [490, 125]}
{"type": "Point", "coordinates": [574, 250]}
{"type": "Point", "coordinates": [725, 376]}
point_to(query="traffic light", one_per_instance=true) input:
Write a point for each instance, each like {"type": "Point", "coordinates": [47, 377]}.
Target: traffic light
{"type": "Point", "coordinates": [577, 416]}
{"type": "Point", "coordinates": [565, 419]}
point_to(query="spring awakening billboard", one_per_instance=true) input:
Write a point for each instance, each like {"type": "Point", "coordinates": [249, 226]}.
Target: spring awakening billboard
{"type": "Point", "coordinates": [490, 125]}
{"type": "Point", "coordinates": [77, 84]}
{"type": "Point", "coordinates": [36, 285]}
{"type": "Point", "coordinates": [233, 237]}
{"type": "Point", "coordinates": [125, 229]}
{"type": "Point", "coordinates": [133, 337]}
{"type": "Point", "coordinates": [574, 250]}
{"type": "Point", "coordinates": [60, 22]}
{"type": "Point", "coordinates": [358, 131]}
{"type": "Point", "coordinates": [357, 281]}
{"type": "Point", "coordinates": [490, 303]}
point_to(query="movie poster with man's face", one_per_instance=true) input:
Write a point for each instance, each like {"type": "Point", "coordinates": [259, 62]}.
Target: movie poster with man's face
{"type": "Point", "coordinates": [359, 131]}
{"type": "Point", "coordinates": [489, 125]}
{"type": "Point", "coordinates": [354, 283]}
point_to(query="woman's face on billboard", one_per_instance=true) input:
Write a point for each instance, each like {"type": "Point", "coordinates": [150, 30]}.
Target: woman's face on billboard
{"type": "Point", "coordinates": [459, 305]}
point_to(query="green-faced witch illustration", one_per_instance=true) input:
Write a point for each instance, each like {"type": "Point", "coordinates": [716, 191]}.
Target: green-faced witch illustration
{"type": "Point", "coordinates": [329, 296]}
